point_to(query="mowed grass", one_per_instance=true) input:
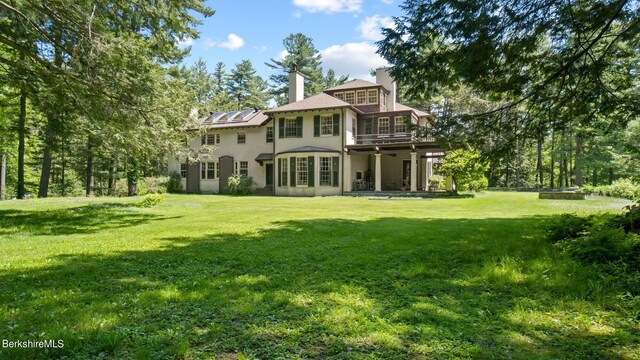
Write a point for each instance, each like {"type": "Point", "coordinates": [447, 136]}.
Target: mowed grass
{"type": "Point", "coordinates": [337, 277]}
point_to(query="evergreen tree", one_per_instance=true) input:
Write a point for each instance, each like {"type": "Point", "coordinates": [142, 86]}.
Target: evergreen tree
{"type": "Point", "coordinates": [248, 90]}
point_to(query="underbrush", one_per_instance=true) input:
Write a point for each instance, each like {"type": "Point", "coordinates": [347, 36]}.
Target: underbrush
{"type": "Point", "coordinates": [610, 244]}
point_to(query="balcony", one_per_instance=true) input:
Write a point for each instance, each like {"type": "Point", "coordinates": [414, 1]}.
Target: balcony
{"type": "Point", "coordinates": [396, 138]}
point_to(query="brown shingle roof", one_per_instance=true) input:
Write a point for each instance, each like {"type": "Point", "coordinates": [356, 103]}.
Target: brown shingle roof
{"type": "Point", "coordinates": [401, 107]}
{"type": "Point", "coordinates": [354, 84]}
{"type": "Point", "coordinates": [319, 101]}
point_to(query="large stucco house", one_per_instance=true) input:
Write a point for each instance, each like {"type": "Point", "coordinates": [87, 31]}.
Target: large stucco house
{"type": "Point", "coordinates": [349, 138]}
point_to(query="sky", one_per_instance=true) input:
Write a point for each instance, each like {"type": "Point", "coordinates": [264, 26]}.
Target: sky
{"type": "Point", "coordinates": [344, 31]}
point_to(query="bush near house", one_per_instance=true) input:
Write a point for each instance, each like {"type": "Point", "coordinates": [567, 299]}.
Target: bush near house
{"type": "Point", "coordinates": [174, 185]}
{"type": "Point", "coordinates": [240, 185]}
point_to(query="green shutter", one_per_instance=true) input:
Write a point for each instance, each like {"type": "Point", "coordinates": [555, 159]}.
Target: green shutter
{"type": "Point", "coordinates": [316, 125]}
{"type": "Point", "coordinates": [280, 128]}
{"type": "Point", "coordinates": [292, 171]}
{"type": "Point", "coordinates": [310, 171]}
{"type": "Point", "coordinates": [336, 124]}
{"type": "Point", "coordinates": [279, 172]}
{"type": "Point", "coordinates": [336, 170]}
{"type": "Point", "coordinates": [299, 126]}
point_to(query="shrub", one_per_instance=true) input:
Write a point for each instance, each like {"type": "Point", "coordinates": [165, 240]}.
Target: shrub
{"type": "Point", "coordinates": [435, 183]}
{"type": "Point", "coordinates": [174, 185]}
{"type": "Point", "coordinates": [154, 185]}
{"type": "Point", "coordinates": [567, 226]}
{"type": "Point", "coordinates": [621, 188]}
{"type": "Point", "coordinates": [479, 184]}
{"type": "Point", "coordinates": [602, 244]}
{"type": "Point", "coordinates": [150, 200]}
{"type": "Point", "coordinates": [240, 185]}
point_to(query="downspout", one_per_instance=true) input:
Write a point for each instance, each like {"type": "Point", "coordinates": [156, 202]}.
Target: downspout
{"type": "Point", "coordinates": [344, 144]}
{"type": "Point", "coordinates": [275, 167]}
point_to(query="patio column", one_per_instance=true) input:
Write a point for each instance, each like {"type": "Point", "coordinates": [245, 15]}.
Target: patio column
{"type": "Point", "coordinates": [414, 172]}
{"type": "Point", "coordinates": [347, 172]}
{"type": "Point", "coordinates": [378, 173]}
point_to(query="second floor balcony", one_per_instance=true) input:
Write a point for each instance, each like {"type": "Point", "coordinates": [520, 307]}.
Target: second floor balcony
{"type": "Point", "coordinates": [395, 138]}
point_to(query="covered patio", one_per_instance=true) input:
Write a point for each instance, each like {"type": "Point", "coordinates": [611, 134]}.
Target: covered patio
{"type": "Point", "coordinates": [404, 167]}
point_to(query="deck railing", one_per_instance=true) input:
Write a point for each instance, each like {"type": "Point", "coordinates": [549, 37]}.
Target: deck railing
{"type": "Point", "coordinates": [365, 139]}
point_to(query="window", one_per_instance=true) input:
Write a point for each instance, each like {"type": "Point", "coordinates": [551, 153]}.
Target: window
{"type": "Point", "coordinates": [361, 97]}
{"type": "Point", "coordinates": [301, 171]}
{"type": "Point", "coordinates": [242, 137]}
{"type": "Point", "coordinates": [269, 134]}
{"type": "Point", "coordinates": [349, 97]}
{"type": "Point", "coordinates": [242, 168]}
{"type": "Point", "coordinates": [383, 125]}
{"type": "Point", "coordinates": [372, 96]}
{"type": "Point", "coordinates": [401, 126]}
{"type": "Point", "coordinates": [210, 139]}
{"type": "Point", "coordinates": [339, 95]}
{"type": "Point", "coordinates": [290, 128]}
{"type": "Point", "coordinates": [325, 171]}
{"type": "Point", "coordinates": [284, 171]}
{"type": "Point", "coordinates": [183, 170]}
{"type": "Point", "coordinates": [326, 125]}
{"type": "Point", "coordinates": [384, 99]}
{"type": "Point", "coordinates": [209, 170]}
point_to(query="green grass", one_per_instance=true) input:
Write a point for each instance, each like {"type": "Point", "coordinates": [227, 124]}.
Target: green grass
{"type": "Point", "coordinates": [259, 277]}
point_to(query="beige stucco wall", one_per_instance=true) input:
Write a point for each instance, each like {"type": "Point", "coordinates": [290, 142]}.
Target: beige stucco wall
{"type": "Point", "coordinates": [316, 190]}
{"type": "Point", "coordinates": [307, 139]}
{"type": "Point", "coordinates": [255, 144]}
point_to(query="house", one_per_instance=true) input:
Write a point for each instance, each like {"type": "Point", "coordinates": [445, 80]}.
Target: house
{"type": "Point", "coordinates": [352, 137]}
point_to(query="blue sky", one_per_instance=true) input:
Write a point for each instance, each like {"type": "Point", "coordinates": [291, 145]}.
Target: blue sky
{"type": "Point", "coordinates": [343, 30]}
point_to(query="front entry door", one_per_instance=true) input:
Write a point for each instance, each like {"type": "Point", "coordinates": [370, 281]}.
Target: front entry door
{"type": "Point", "coordinates": [406, 174]}
{"type": "Point", "coordinates": [268, 168]}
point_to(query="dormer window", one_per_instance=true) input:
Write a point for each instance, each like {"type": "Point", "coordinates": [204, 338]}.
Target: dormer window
{"type": "Point", "coordinates": [372, 96]}
{"type": "Point", "coordinates": [350, 97]}
{"type": "Point", "coordinates": [361, 97]}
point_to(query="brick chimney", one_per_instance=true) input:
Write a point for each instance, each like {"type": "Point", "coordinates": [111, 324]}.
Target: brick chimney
{"type": "Point", "coordinates": [296, 84]}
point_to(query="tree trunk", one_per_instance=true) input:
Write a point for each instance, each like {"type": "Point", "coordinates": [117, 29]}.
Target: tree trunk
{"type": "Point", "coordinates": [578, 160]}
{"type": "Point", "coordinates": [610, 175]}
{"type": "Point", "coordinates": [566, 173]}
{"type": "Point", "coordinates": [113, 171]}
{"type": "Point", "coordinates": [21, 134]}
{"type": "Point", "coordinates": [90, 168]}
{"type": "Point", "coordinates": [45, 175]}
{"type": "Point", "coordinates": [3, 176]}
{"type": "Point", "coordinates": [132, 178]}
{"type": "Point", "coordinates": [64, 163]}
{"type": "Point", "coordinates": [540, 174]}
{"type": "Point", "coordinates": [553, 161]}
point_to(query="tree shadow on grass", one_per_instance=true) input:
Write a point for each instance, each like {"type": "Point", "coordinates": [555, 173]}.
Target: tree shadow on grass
{"type": "Point", "coordinates": [386, 288]}
{"type": "Point", "coordinates": [75, 220]}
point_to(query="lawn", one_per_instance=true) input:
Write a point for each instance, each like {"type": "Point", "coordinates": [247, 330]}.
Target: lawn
{"type": "Point", "coordinates": [336, 277]}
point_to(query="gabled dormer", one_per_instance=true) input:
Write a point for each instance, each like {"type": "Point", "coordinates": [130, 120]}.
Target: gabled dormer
{"type": "Point", "coordinates": [364, 95]}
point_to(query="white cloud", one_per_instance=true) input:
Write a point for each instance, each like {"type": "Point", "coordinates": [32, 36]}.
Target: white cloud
{"type": "Point", "coordinates": [371, 27]}
{"type": "Point", "coordinates": [297, 14]}
{"type": "Point", "coordinates": [329, 6]}
{"type": "Point", "coordinates": [388, 2]}
{"type": "Point", "coordinates": [353, 59]}
{"type": "Point", "coordinates": [209, 43]}
{"type": "Point", "coordinates": [234, 42]}
{"type": "Point", "coordinates": [185, 42]}
{"type": "Point", "coordinates": [282, 54]}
